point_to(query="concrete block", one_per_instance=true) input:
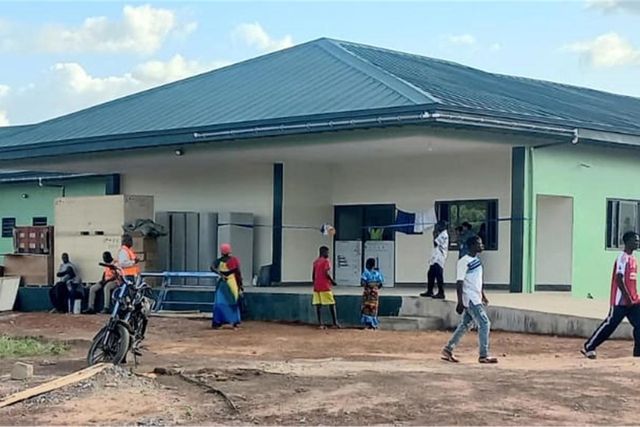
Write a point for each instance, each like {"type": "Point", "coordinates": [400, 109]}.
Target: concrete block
{"type": "Point", "coordinates": [510, 319]}
{"type": "Point", "coordinates": [21, 371]}
{"type": "Point", "coordinates": [408, 323]}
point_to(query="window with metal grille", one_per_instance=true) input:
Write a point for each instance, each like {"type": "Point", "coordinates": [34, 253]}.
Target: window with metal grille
{"type": "Point", "coordinates": [622, 216]}
{"type": "Point", "coordinates": [8, 224]}
{"type": "Point", "coordinates": [39, 221]}
{"type": "Point", "coordinates": [481, 214]}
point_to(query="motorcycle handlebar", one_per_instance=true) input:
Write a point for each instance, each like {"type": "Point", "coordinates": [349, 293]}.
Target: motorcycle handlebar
{"type": "Point", "coordinates": [111, 266]}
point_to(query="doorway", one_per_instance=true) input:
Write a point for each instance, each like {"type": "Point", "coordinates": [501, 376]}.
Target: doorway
{"type": "Point", "coordinates": [554, 243]}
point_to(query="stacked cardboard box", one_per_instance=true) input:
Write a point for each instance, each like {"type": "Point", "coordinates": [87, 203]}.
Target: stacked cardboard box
{"type": "Point", "coordinates": [85, 227]}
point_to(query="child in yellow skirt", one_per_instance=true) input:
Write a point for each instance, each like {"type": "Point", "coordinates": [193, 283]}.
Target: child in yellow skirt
{"type": "Point", "coordinates": [322, 283]}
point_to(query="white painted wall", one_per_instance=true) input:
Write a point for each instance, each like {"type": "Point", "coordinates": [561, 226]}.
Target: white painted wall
{"type": "Point", "coordinates": [410, 183]}
{"type": "Point", "coordinates": [216, 187]}
{"type": "Point", "coordinates": [307, 202]}
{"type": "Point", "coordinates": [554, 240]}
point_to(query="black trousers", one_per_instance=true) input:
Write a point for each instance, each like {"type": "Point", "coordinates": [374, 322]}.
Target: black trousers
{"type": "Point", "coordinates": [608, 326]}
{"type": "Point", "coordinates": [59, 294]}
{"type": "Point", "coordinates": [435, 275]}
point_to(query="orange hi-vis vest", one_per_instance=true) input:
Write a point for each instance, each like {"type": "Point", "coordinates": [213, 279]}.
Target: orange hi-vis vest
{"type": "Point", "coordinates": [134, 270]}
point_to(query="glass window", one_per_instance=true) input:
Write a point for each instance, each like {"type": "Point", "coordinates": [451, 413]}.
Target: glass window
{"type": "Point", "coordinates": [622, 216]}
{"type": "Point", "coordinates": [8, 225]}
{"type": "Point", "coordinates": [481, 214]}
{"type": "Point", "coordinates": [39, 221]}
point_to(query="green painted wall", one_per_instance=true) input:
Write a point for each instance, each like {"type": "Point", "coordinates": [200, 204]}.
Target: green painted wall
{"type": "Point", "coordinates": [39, 201]}
{"type": "Point", "coordinates": [590, 175]}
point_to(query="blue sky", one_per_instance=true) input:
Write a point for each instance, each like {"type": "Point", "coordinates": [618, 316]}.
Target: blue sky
{"type": "Point", "coordinates": [60, 57]}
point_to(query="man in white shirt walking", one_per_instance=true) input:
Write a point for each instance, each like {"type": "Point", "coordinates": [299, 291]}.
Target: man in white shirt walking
{"type": "Point", "coordinates": [437, 261]}
{"type": "Point", "coordinates": [471, 303]}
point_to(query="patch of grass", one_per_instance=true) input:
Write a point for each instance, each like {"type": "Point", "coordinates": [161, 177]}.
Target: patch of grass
{"type": "Point", "coordinates": [29, 346]}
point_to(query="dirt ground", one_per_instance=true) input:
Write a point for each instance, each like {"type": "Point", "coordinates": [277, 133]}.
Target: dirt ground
{"type": "Point", "coordinates": [297, 375]}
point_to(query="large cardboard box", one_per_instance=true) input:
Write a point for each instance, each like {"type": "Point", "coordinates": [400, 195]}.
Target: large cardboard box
{"type": "Point", "coordinates": [35, 269]}
{"type": "Point", "coordinates": [85, 252]}
{"type": "Point", "coordinates": [99, 215]}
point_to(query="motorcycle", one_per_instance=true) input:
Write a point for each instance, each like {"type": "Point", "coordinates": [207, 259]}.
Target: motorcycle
{"type": "Point", "coordinates": [127, 324]}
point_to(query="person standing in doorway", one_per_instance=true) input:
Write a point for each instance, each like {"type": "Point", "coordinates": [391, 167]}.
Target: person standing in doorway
{"type": "Point", "coordinates": [466, 232]}
{"type": "Point", "coordinates": [128, 260]}
{"type": "Point", "coordinates": [226, 307]}
{"type": "Point", "coordinates": [624, 299]}
{"type": "Point", "coordinates": [471, 303]}
{"type": "Point", "coordinates": [322, 282]}
{"type": "Point", "coordinates": [437, 261]}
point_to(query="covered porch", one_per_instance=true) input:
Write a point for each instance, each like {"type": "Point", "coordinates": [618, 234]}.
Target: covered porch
{"type": "Point", "coordinates": [293, 185]}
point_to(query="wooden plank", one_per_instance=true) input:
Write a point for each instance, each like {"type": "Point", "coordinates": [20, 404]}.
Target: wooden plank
{"type": "Point", "coordinates": [72, 378]}
{"type": "Point", "coordinates": [8, 292]}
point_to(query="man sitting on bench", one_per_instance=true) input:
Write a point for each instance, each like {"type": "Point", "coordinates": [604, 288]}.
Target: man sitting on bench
{"type": "Point", "coordinates": [66, 287]}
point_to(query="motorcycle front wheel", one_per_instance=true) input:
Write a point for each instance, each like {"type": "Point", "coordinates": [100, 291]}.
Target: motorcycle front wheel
{"type": "Point", "coordinates": [113, 350]}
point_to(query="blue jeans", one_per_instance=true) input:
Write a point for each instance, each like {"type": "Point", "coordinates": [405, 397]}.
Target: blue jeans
{"type": "Point", "coordinates": [473, 313]}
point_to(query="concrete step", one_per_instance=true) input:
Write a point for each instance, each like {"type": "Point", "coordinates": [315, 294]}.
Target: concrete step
{"type": "Point", "coordinates": [410, 323]}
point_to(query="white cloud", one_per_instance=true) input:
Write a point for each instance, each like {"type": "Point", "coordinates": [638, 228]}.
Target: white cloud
{"type": "Point", "coordinates": [68, 87]}
{"type": "Point", "coordinates": [141, 29]}
{"type": "Point", "coordinates": [607, 50]}
{"type": "Point", "coordinates": [158, 72]}
{"type": "Point", "coordinates": [4, 90]}
{"type": "Point", "coordinates": [462, 40]}
{"type": "Point", "coordinates": [252, 34]}
{"type": "Point", "coordinates": [632, 6]}
{"type": "Point", "coordinates": [495, 47]}
{"type": "Point", "coordinates": [4, 120]}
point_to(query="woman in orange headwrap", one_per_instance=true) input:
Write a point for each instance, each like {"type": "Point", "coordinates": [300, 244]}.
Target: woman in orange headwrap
{"type": "Point", "coordinates": [226, 308]}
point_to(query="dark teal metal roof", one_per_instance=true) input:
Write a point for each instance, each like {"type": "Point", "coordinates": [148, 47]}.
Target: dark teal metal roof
{"type": "Point", "coordinates": [325, 81]}
{"type": "Point", "coordinates": [455, 85]}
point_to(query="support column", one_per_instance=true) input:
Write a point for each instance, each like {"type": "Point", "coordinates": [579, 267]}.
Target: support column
{"type": "Point", "coordinates": [276, 241]}
{"type": "Point", "coordinates": [518, 196]}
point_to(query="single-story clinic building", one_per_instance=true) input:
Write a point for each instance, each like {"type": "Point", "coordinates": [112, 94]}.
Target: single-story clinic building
{"type": "Point", "coordinates": [346, 134]}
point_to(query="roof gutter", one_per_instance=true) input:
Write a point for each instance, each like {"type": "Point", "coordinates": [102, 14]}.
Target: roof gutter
{"type": "Point", "coordinates": [515, 125]}
{"type": "Point", "coordinates": [40, 179]}
{"type": "Point", "coordinates": [418, 115]}
{"type": "Point", "coordinates": [386, 120]}
{"type": "Point", "coordinates": [311, 127]}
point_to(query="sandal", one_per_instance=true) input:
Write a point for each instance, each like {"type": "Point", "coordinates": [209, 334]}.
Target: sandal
{"type": "Point", "coordinates": [447, 356]}
{"type": "Point", "coordinates": [487, 360]}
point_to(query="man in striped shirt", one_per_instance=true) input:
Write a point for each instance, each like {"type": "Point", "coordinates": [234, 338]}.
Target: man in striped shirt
{"type": "Point", "coordinates": [471, 303]}
{"type": "Point", "coordinates": [624, 299]}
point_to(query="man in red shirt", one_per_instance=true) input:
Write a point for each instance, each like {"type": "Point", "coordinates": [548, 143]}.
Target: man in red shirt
{"type": "Point", "coordinates": [322, 282]}
{"type": "Point", "coordinates": [624, 299]}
